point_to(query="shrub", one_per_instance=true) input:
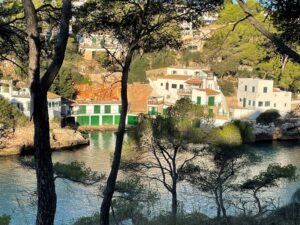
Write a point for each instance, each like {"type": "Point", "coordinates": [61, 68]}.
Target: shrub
{"type": "Point", "coordinates": [246, 131]}
{"type": "Point", "coordinates": [226, 87]}
{"type": "Point", "coordinates": [4, 220]}
{"type": "Point", "coordinates": [9, 114]}
{"type": "Point", "coordinates": [268, 117]}
{"type": "Point", "coordinates": [229, 134]}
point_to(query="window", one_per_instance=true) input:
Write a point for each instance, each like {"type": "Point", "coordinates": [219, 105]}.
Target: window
{"type": "Point", "coordinates": [253, 103]}
{"type": "Point", "coordinates": [49, 104]}
{"type": "Point", "coordinates": [181, 86]}
{"type": "Point", "coordinates": [174, 86]}
{"type": "Point", "coordinates": [198, 100]}
{"type": "Point", "coordinates": [267, 104]}
{"type": "Point", "coordinates": [197, 73]}
{"type": "Point", "coordinates": [82, 109]}
{"type": "Point", "coordinates": [253, 89]}
{"type": "Point", "coordinates": [174, 72]}
{"type": "Point", "coordinates": [107, 109]}
{"type": "Point", "coordinates": [265, 89]}
{"type": "Point", "coordinates": [96, 109]}
{"type": "Point", "coordinates": [211, 100]}
{"type": "Point", "coordinates": [241, 100]}
{"type": "Point", "coordinates": [246, 87]}
{"type": "Point", "coordinates": [285, 105]}
{"type": "Point", "coordinates": [249, 102]}
{"type": "Point", "coordinates": [53, 104]}
{"type": "Point", "coordinates": [260, 104]}
{"type": "Point", "coordinates": [161, 84]}
{"type": "Point", "coordinates": [274, 105]}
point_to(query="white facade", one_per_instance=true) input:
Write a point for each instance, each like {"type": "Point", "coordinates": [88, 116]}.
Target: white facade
{"type": "Point", "coordinates": [186, 71]}
{"type": "Point", "coordinates": [259, 95]}
{"type": "Point", "coordinates": [21, 99]}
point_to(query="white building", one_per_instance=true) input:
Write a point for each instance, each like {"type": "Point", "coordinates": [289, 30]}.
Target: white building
{"type": "Point", "coordinates": [258, 95]}
{"type": "Point", "coordinates": [21, 99]}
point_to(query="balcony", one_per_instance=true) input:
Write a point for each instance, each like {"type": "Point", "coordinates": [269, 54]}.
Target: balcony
{"type": "Point", "coordinates": [155, 102]}
{"type": "Point", "coordinates": [184, 92]}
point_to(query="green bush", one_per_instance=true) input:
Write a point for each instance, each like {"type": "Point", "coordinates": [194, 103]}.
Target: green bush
{"type": "Point", "coordinates": [268, 117]}
{"type": "Point", "coordinates": [4, 219]}
{"type": "Point", "coordinates": [246, 131]}
{"type": "Point", "coordinates": [89, 220]}
{"type": "Point", "coordinates": [226, 87]}
{"type": "Point", "coordinates": [229, 134]}
{"type": "Point", "coordinates": [10, 116]}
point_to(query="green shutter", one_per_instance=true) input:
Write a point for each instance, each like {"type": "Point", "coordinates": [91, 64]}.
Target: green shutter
{"type": "Point", "coordinates": [211, 100]}
{"type": "Point", "coordinates": [97, 109]}
{"type": "Point", "coordinates": [107, 109]}
{"type": "Point", "coordinates": [95, 120]}
{"type": "Point", "coordinates": [165, 111]}
{"type": "Point", "coordinates": [198, 100]}
{"type": "Point", "coordinates": [94, 40]}
{"type": "Point", "coordinates": [210, 112]}
{"type": "Point", "coordinates": [153, 111]}
{"type": "Point", "coordinates": [82, 109]}
{"type": "Point", "coordinates": [132, 120]}
{"type": "Point", "coordinates": [83, 120]}
{"type": "Point", "coordinates": [117, 120]}
{"type": "Point", "coordinates": [107, 120]}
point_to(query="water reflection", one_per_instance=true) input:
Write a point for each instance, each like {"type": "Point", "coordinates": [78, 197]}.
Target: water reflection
{"type": "Point", "coordinates": [74, 200]}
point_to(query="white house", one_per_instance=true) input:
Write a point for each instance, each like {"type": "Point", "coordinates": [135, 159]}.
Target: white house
{"type": "Point", "coordinates": [22, 100]}
{"type": "Point", "coordinates": [258, 95]}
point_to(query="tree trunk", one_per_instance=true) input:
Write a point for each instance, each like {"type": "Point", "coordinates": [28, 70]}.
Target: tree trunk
{"type": "Point", "coordinates": [257, 201]}
{"type": "Point", "coordinates": [44, 167]}
{"type": "Point", "coordinates": [221, 200]}
{"type": "Point", "coordinates": [174, 202]}
{"type": "Point", "coordinates": [217, 203]}
{"type": "Point", "coordinates": [111, 180]}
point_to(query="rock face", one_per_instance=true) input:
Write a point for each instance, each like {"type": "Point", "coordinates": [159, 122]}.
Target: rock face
{"type": "Point", "coordinates": [20, 141]}
{"type": "Point", "coordinates": [284, 129]}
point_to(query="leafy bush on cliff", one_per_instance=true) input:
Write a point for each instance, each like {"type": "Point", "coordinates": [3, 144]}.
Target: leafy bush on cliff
{"type": "Point", "coordinates": [229, 134]}
{"type": "Point", "coordinates": [4, 220]}
{"type": "Point", "coordinates": [9, 114]}
{"type": "Point", "coordinates": [246, 131]}
{"type": "Point", "coordinates": [267, 117]}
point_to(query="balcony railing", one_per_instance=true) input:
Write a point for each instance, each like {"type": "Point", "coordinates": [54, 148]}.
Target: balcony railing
{"type": "Point", "coordinates": [155, 102]}
{"type": "Point", "coordinates": [184, 92]}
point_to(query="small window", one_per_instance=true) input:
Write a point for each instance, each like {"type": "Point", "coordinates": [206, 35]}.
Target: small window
{"type": "Point", "coordinates": [181, 86]}
{"type": "Point", "coordinates": [174, 86]}
{"type": "Point", "coordinates": [249, 102]}
{"type": "Point", "coordinates": [274, 105]}
{"type": "Point", "coordinates": [253, 103]}
{"type": "Point", "coordinates": [265, 89]}
{"type": "Point", "coordinates": [285, 105]}
{"type": "Point", "coordinates": [53, 104]}
{"type": "Point", "coordinates": [241, 100]}
{"type": "Point", "coordinates": [260, 104]}
{"type": "Point", "coordinates": [267, 104]}
{"type": "Point", "coordinates": [253, 89]}
{"type": "Point", "coordinates": [174, 72]}
{"type": "Point", "coordinates": [49, 104]}
{"type": "Point", "coordinates": [168, 96]}
{"type": "Point", "coordinates": [246, 87]}
{"type": "Point", "coordinates": [161, 84]}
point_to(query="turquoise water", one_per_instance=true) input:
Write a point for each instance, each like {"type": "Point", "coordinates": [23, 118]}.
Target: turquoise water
{"type": "Point", "coordinates": [17, 184]}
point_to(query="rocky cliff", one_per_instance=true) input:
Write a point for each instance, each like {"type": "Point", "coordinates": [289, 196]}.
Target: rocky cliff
{"type": "Point", "coordinates": [20, 140]}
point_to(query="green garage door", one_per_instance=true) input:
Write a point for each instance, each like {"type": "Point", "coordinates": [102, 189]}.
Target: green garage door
{"type": "Point", "coordinates": [107, 120]}
{"type": "Point", "coordinates": [117, 120]}
{"type": "Point", "coordinates": [83, 120]}
{"type": "Point", "coordinates": [95, 120]}
{"type": "Point", "coordinates": [132, 120]}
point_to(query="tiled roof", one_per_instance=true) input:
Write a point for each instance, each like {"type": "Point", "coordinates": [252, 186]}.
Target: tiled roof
{"type": "Point", "coordinates": [138, 95]}
{"type": "Point", "coordinates": [175, 77]}
{"type": "Point", "coordinates": [51, 95]}
{"type": "Point", "coordinates": [208, 91]}
{"type": "Point", "coordinates": [194, 81]}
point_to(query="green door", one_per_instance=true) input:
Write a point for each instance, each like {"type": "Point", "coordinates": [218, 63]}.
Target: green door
{"type": "Point", "coordinates": [95, 120]}
{"type": "Point", "coordinates": [83, 120]}
{"type": "Point", "coordinates": [97, 109]}
{"type": "Point", "coordinates": [117, 120]}
{"type": "Point", "coordinates": [211, 100]}
{"type": "Point", "coordinates": [107, 109]}
{"type": "Point", "coordinates": [210, 112]}
{"type": "Point", "coordinates": [198, 100]}
{"type": "Point", "coordinates": [82, 109]}
{"type": "Point", "coordinates": [153, 111]}
{"type": "Point", "coordinates": [132, 120]}
{"type": "Point", "coordinates": [107, 120]}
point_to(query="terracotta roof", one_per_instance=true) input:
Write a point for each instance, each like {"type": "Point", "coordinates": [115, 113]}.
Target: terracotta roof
{"type": "Point", "coordinates": [51, 95]}
{"type": "Point", "coordinates": [194, 81]}
{"type": "Point", "coordinates": [208, 91]}
{"type": "Point", "coordinates": [138, 95]}
{"type": "Point", "coordinates": [175, 77]}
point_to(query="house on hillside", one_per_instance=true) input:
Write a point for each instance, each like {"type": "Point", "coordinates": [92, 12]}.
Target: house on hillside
{"type": "Point", "coordinates": [256, 95]}
{"type": "Point", "coordinates": [20, 97]}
